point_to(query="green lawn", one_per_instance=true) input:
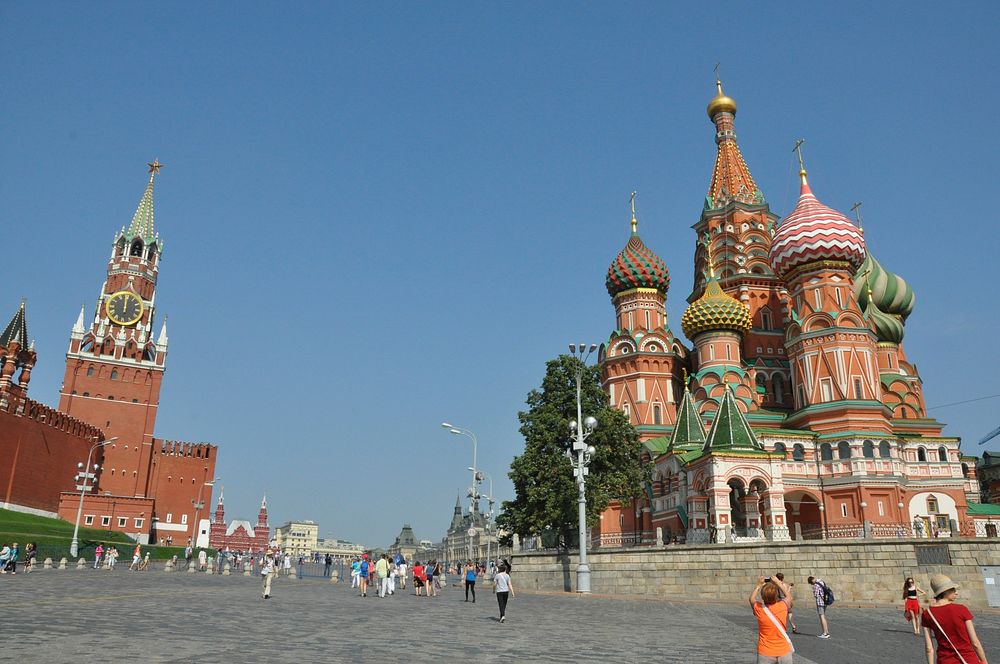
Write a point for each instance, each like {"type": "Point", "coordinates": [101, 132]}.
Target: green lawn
{"type": "Point", "coordinates": [53, 537]}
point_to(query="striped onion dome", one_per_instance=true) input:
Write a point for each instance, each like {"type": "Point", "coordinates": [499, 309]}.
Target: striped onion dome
{"type": "Point", "coordinates": [890, 292]}
{"type": "Point", "coordinates": [637, 267]}
{"type": "Point", "coordinates": [715, 310]}
{"type": "Point", "coordinates": [815, 232]}
{"type": "Point", "coordinates": [888, 328]}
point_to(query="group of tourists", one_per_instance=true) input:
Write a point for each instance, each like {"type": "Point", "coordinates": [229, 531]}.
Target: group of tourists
{"type": "Point", "coordinates": [428, 578]}
{"type": "Point", "coordinates": [10, 555]}
{"type": "Point", "coordinates": [949, 634]}
{"type": "Point", "coordinates": [108, 557]}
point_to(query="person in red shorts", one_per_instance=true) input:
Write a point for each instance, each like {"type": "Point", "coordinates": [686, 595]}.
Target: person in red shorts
{"type": "Point", "coordinates": [951, 624]}
{"type": "Point", "coordinates": [911, 609]}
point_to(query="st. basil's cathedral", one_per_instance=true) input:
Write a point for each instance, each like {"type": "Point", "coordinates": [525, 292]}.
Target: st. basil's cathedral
{"type": "Point", "coordinates": [796, 413]}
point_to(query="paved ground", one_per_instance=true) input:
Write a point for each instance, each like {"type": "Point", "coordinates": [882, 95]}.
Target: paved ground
{"type": "Point", "coordinates": [99, 616]}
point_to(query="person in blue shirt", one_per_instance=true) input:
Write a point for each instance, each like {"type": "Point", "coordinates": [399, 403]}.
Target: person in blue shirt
{"type": "Point", "coordinates": [470, 580]}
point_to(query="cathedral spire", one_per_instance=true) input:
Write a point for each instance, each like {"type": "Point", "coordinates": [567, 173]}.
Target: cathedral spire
{"type": "Point", "coordinates": [731, 178]}
{"type": "Point", "coordinates": [730, 429]}
{"type": "Point", "coordinates": [142, 220]}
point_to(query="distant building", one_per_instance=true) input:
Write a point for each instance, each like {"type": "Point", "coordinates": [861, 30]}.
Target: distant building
{"type": "Point", "coordinates": [239, 535]}
{"type": "Point", "coordinates": [298, 537]}
{"type": "Point", "coordinates": [339, 550]}
{"type": "Point", "coordinates": [468, 536]}
{"type": "Point", "coordinates": [406, 543]}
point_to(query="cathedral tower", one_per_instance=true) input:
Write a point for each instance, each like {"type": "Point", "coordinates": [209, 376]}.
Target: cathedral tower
{"type": "Point", "coordinates": [114, 366]}
{"type": "Point", "coordinates": [641, 362]}
{"type": "Point", "coordinates": [739, 224]}
{"type": "Point", "coordinates": [817, 250]}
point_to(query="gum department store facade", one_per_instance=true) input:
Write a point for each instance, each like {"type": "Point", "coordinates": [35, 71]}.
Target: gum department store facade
{"type": "Point", "coordinates": [797, 413]}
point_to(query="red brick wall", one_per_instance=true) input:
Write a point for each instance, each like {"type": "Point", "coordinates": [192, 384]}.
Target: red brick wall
{"type": "Point", "coordinates": [177, 480]}
{"type": "Point", "coordinates": [39, 451]}
{"type": "Point", "coordinates": [112, 508]}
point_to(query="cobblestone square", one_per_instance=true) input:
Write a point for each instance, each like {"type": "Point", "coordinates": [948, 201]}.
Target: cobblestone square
{"type": "Point", "coordinates": [100, 616]}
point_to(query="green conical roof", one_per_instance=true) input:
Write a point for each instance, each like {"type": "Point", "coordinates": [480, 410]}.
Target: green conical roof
{"type": "Point", "coordinates": [16, 330]}
{"type": "Point", "coordinates": [142, 221]}
{"type": "Point", "coordinates": [690, 429]}
{"type": "Point", "coordinates": [730, 429]}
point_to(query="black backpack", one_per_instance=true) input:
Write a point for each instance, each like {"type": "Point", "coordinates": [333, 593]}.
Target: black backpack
{"type": "Point", "coordinates": [828, 597]}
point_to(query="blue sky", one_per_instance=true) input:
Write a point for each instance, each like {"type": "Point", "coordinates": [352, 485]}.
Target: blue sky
{"type": "Point", "coordinates": [381, 216]}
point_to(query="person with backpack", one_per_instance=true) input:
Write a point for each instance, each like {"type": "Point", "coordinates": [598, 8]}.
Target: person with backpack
{"type": "Point", "coordinates": [951, 625]}
{"type": "Point", "coordinates": [363, 576]}
{"type": "Point", "coordinates": [771, 605]}
{"type": "Point", "coordinates": [824, 598]}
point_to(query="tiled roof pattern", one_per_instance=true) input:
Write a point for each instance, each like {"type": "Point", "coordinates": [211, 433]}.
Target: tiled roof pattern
{"type": "Point", "coordinates": [689, 429]}
{"type": "Point", "coordinates": [730, 429]}
{"type": "Point", "coordinates": [142, 220]}
{"type": "Point", "coordinates": [637, 267]}
{"type": "Point", "coordinates": [815, 232]}
{"type": "Point", "coordinates": [16, 330]}
{"type": "Point", "coordinates": [715, 310]}
{"type": "Point", "coordinates": [731, 178]}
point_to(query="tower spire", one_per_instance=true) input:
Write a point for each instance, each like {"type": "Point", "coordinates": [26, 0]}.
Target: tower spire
{"type": "Point", "coordinates": [142, 221]}
{"type": "Point", "coordinates": [17, 329]}
{"type": "Point", "coordinates": [635, 222]}
{"type": "Point", "coordinates": [802, 169]}
{"type": "Point", "coordinates": [731, 178]}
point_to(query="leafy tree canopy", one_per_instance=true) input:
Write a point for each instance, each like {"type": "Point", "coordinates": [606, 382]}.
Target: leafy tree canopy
{"type": "Point", "coordinates": [546, 493]}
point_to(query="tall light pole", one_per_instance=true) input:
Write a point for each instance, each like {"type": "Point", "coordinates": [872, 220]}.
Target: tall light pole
{"type": "Point", "coordinates": [87, 473]}
{"type": "Point", "coordinates": [473, 494]}
{"type": "Point", "coordinates": [489, 514]}
{"type": "Point", "coordinates": [198, 504]}
{"type": "Point", "coordinates": [584, 453]}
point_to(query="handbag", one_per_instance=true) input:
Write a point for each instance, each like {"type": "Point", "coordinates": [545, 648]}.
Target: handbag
{"type": "Point", "coordinates": [781, 628]}
{"type": "Point", "coordinates": [957, 654]}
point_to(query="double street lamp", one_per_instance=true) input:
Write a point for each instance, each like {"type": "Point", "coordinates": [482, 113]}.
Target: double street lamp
{"type": "Point", "coordinates": [198, 505]}
{"type": "Point", "coordinates": [583, 454]}
{"type": "Point", "coordinates": [475, 444]}
{"type": "Point", "coordinates": [489, 514]}
{"type": "Point", "coordinates": [86, 473]}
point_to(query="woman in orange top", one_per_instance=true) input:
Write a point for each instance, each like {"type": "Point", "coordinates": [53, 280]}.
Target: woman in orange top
{"type": "Point", "coordinates": [773, 643]}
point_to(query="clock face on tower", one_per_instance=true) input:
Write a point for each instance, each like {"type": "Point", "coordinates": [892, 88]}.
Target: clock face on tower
{"type": "Point", "coordinates": [124, 308]}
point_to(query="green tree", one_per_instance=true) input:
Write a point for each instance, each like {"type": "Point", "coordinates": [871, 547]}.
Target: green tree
{"type": "Point", "coordinates": [546, 493]}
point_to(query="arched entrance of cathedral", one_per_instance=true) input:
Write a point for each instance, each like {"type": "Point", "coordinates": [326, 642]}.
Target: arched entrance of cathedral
{"type": "Point", "coordinates": [737, 499]}
{"type": "Point", "coordinates": [805, 519]}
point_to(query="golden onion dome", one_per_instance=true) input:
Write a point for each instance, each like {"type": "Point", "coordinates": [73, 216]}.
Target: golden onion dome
{"type": "Point", "coordinates": [715, 310]}
{"type": "Point", "coordinates": [720, 103]}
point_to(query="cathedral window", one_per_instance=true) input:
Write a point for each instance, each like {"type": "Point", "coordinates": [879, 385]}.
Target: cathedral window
{"type": "Point", "coordinates": [826, 388]}
{"type": "Point", "coordinates": [114, 374]}
{"type": "Point", "coordinates": [826, 452]}
{"type": "Point", "coordinates": [90, 371]}
{"type": "Point", "coordinates": [884, 449]}
{"type": "Point", "coordinates": [843, 509]}
{"type": "Point", "coordinates": [711, 352]}
{"type": "Point", "coordinates": [857, 388]}
{"type": "Point", "coordinates": [921, 454]}
{"type": "Point", "coordinates": [818, 298]}
{"type": "Point", "coordinates": [932, 505]}
{"type": "Point", "coordinates": [135, 401]}
{"type": "Point", "coordinates": [844, 450]}
{"type": "Point", "coordinates": [136, 249]}
{"type": "Point", "coordinates": [868, 449]}
{"type": "Point", "coordinates": [110, 398]}
{"type": "Point", "coordinates": [648, 326]}
{"type": "Point", "coordinates": [729, 352]}
{"type": "Point", "coordinates": [942, 454]}
{"type": "Point", "coordinates": [625, 409]}
{"type": "Point", "coordinates": [904, 412]}
{"type": "Point", "coordinates": [840, 301]}
{"type": "Point", "coordinates": [798, 452]}
{"type": "Point", "coordinates": [779, 448]}
{"type": "Point", "coordinates": [657, 414]}
{"type": "Point", "coordinates": [965, 470]}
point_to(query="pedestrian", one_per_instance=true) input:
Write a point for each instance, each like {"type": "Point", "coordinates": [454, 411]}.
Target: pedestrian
{"type": "Point", "coordinates": [355, 572]}
{"type": "Point", "coordinates": [302, 564]}
{"type": "Point", "coordinates": [136, 557]}
{"type": "Point", "coordinates": [98, 552]}
{"type": "Point", "coordinates": [382, 573]}
{"type": "Point", "coordinates": [327, 564]}
{"type": "Point", "coordinates": [266, 574]}
{"type": "Point", "coordinates": [30, 551]}
{"type": "Point", "coordinates": [286, 565]}
{"type": "Point", "coordinates": [401, 573]}
{"type": "Point", "coordinates": [188, 553]}
{"type": "Point", "coordinates": [202, 560]}
{"type": "Point", "coordinates": [819, 593]}
{"type": "Point", "coordinates": [911, 606]}
{"type": "Point", "coordinates": [786, 591]}
{"type": "Point", "coordinates": [10, 563]}
{"type": "Point", "coordinates": [112, 557]}
{"type": "Point", "coordinates": [365, 568]}
{"type": "Point", "coordinates": [438, 578]}
{"type": "Point", "coordinates": [774, 646]}
{"type": "Point", "coordinates": [470, 581]}
{"type": "Point", "coordinates": [418, 577]}
{"type": "Point", "coordinates": [393, 571]}
{"type": "Point", "coordinates": [951, 624]}
{"type": "Point", "coordinates": [429, 583]}
{"type": "Point", "coordinates": [504, 589]}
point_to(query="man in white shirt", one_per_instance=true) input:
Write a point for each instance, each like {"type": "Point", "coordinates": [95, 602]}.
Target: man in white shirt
{"type": "Point", "coordinates": [266, 572]}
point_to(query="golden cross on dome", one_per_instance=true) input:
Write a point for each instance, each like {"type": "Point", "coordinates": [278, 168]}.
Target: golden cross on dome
{"type": "Point", "coordinates": [798, 149]}
{"type": "Point", "coordinates": [717, 65]}
{"type": "Point", "coordinates": [154, 167]}
{"type": "Point", "coordinates": [635, 222]}
{"type": "Point", "coordinates": [856, 209]}
{"type": "Point", "coordinates": [711, 260]}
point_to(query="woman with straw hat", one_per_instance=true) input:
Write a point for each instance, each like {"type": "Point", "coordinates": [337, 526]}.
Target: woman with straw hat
{"type": "Point", "coordinates": [951, 624]}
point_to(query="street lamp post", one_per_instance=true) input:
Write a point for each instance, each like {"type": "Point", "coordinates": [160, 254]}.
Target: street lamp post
{"type": "Point", "coordinates": [473, 494]}
{"type": "Point", "coordinates": [198, 505]}
{"type": "Point", "coordinates": [581, 429]}
{"type": "Point", "coordinates": [88, 472]}
{"type": "Point", "coordinates": [489, 513]}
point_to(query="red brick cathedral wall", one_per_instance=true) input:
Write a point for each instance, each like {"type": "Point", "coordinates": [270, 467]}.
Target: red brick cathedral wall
{"type": "Point", "coordinates": [39, 451]}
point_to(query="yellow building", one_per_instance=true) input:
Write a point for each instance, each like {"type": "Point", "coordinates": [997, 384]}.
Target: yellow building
{"type": "Point", "coordinates": [297, 537]}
